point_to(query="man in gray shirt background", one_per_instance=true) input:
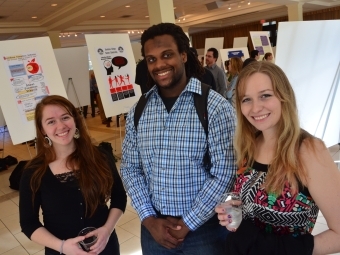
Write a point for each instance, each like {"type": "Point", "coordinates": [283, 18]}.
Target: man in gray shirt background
{"type": "Point", "coordinates": [219, 75]}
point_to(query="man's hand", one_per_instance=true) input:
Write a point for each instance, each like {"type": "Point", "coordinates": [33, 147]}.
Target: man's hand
{"type": "Point", "coordinates": [159, 229]}
{"type": "Point", "coordinates": [182, 232]}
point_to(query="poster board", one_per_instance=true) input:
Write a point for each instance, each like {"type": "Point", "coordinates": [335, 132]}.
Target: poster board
{"type": "Point", "coordinates": [234, 52]}
{"type": "Point", "coordinates": [240, 42]}
{"type": "Point", "coordinates": [314, 77]}
{"type": "Point", "coordinates": [115, 69]}
{"type": "Point", "coordinates": [261, 42]}
{"type": "Point", "coordinates": [73, 63]}
{"type": "Point", "coordinates": [29, 72]}
{"type": "Point", "coordinates": [214, 43]}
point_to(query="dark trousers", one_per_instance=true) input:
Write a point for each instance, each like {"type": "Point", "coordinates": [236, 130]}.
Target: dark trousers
{"type": "Point", "coordinates": [92, 99]}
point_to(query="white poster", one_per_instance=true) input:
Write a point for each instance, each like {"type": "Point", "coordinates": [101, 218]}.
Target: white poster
{"type": "Point", "coordinates": [234, 52]}
{"type": "Point", "coordinates": [314, 77]}
{"type": "Point", "coordinates": [116, 72]}
{"type": "Point", "coordinates": [114, 67]}
{"type": "Point", "coordinates": [28, 72]}
{"type": "Point", "coordinates": [28, 82]}
{"type": "Point", "coordinates": [240, 42]}
{"type": "Point", "coordinates": [261, 42]}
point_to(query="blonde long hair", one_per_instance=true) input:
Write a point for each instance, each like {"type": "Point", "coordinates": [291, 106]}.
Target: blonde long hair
{"type": "Point", "coordinates": [286, 164]}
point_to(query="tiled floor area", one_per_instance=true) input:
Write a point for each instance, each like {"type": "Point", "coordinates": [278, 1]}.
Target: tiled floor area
{"type": "Point", "coordinates": [13, 242]}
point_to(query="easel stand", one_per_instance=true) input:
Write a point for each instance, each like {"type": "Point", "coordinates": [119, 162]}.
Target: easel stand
{"type": "Point", "coordinates": [3, 141]}
{"type": "Point", "coordinates": [70, 83]}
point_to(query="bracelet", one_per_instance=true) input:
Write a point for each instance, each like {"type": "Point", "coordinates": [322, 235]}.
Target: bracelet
{"type": "Point", "coordinates": [61, 246]}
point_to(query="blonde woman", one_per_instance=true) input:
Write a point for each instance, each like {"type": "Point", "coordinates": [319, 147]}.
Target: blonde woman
{"type": "Point", "coordinates": [234, 67]}
{"type": "Point", "coordinates": [285, 174]}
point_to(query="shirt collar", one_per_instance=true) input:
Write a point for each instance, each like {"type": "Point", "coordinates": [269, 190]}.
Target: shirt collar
{"type": "Point", "coordinates": [194, 86]}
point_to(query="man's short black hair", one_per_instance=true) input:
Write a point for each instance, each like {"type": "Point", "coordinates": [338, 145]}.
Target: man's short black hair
{"type": "Point", "coordinates": [214, 51]}
{"type": "Point", "coordinates": [254, 53]}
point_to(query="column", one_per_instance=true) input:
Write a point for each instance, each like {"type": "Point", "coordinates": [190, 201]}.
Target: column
{"type": "Point", "coordinates": [161, 11]}
{"type": "Point", "coordinates": [55, 40]}
{"type": "Point", "coordinates": [295, 12]}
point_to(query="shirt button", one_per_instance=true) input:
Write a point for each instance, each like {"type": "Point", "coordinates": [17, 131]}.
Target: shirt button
{"type": "Point", "coordinates": [81, 203]}
{"type": "Point", "coordinates": [81, 218]}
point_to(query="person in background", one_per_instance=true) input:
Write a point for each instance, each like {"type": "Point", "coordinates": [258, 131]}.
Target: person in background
{"type": "Point", "coordinates": [268, 57]}
{"type": "Point", "coordinates": [247, 62]}
{"type": "Point", "coordinates": [142, 76]}
{"type": "Point", "coordinates": [255, 54]}
{"type": "Point", "coordinates": [207, 77]}
{"type": "Point", "coordinates": [92, 99]}
{"type": "Point", "coordinates": [235, 67]}
{"type": "Point", "coordinates": [71, 180]}
{"type": "Point", "coordinates": [162, 167]}
{"type": "Point", "coordinates": [93, 83]}
{"type": "Point", "coordinates": [220, 79]}
{"type": "Point", "coordinates": [285, 174]}
{"type": "Point", "coordinates": [226, 66]}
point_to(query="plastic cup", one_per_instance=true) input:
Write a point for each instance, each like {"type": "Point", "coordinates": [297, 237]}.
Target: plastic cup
{"type": "Point", "coordinates": [87, 242]}
{"type": "Point", "coordinates": [234, 210]}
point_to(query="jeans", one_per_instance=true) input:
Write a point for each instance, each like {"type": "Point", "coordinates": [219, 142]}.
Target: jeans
{"type": "Point", "coordinates": [209, 239]}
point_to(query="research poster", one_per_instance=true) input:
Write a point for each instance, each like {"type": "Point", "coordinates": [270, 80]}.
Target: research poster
{"type": "Point", "coordinates": [116, 72]}
{"type": "Point", "coordinates": [234, 52]}
{"type": "Point", "coordinates": [28, 82]}
{"type": "Point", "coordinates": [261, 42]}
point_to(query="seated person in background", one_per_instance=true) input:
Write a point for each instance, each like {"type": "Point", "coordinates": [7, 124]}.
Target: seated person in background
{"type": "Point", "coordinates": [268, 57]}
{"type": "Point", "coordinates": [285, 174]}
{"type": "Point", "coordinates": [71, 180]}
{"type": "Point", "coordinates": [235, 67]}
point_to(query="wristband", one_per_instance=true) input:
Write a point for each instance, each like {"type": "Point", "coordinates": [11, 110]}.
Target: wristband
{"type": "Point", "coordinates": [61, 246]}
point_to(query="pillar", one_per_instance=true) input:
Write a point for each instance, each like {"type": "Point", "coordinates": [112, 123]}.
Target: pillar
{"type": "Point", "coordinates": [295, 12]}
{"type": "Point", "coordinates": [54, 38]}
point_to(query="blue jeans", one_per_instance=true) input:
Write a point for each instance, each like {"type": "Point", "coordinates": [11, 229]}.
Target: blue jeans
{"type": "Point", "coordinates": [209, 239]}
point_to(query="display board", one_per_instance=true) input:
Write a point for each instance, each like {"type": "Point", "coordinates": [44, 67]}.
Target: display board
{"type": "Point", "coordinates": [214, 43]}
{"type": "Point", "coordinates": [261, 43]}
{"type": "Point", "coordinates": [114, 66]}
{"type": "Point", "coordinates": [240, 42]}
{"type": "Point", "coordinates": [309, 53]}
{"type": "Point", "coordinates": [73, 63]}
{"type": "Point", "coordinates": [28, 72]}
{"type": "Point", "coordinates": [234, 52]}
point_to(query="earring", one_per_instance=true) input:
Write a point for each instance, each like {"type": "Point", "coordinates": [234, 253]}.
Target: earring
{"type": "Point", "coordinates": [76, 134]}
{"type": "Point", "coordinates": [48, 141]}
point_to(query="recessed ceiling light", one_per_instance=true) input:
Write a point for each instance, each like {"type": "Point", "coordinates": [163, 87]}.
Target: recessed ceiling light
{"type": "Point", "coordinates": [54, 5]}
{"type": "Point", "coordinates": [249, 3]}
{"type": "Point", "coordinates": [146, 16]}
{"type": "Point", "coordinates": [34, 17]}
{"type": "Point", "coordinates": [102, 16]}
{"type": "Point", "coordinates": [75, 35]}
{"type": "Point", "coordinates": [127, 6]}
{"type": "Point", "coordinates": [175, 7]}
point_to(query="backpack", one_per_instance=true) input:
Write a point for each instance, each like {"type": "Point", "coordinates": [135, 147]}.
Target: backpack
{"type": "Point", "coordinates": [15, 177]}
{"type": "Point", "coordinates": [201, 105]}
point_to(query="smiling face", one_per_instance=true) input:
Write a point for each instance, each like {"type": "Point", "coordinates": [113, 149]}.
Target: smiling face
{"type": "Point", "coordinates": [58, 125]}
{"type": "Point", "coordinates": [259, 105]}
{"type": "Point", "coordinates": [165, 64]}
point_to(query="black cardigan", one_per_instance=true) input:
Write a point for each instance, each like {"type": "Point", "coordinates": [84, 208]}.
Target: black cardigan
{"type": "Point", "coordinates": [63, 205]}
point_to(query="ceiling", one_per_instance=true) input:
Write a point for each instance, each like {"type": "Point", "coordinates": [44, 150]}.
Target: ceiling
{"type": "Point", "coordinates": [74, 18]}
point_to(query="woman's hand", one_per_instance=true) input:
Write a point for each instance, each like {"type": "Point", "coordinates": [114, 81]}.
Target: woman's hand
{"type": "Point", "coordinates": [103, 235]}
{"type": "Point", "coordinates": [224, 213]}
{"type": "Point", "coordinates": [71, 247]}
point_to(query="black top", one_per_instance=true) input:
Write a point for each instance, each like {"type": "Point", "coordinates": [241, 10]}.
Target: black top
{"type": "Point", "coordinates": [63, 205]}
{"type": "Point", "coordinates": [208, 78]}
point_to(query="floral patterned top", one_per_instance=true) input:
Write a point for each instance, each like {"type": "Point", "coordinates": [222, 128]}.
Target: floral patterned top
{"type": "Point", "coordinates": [282, 214]}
